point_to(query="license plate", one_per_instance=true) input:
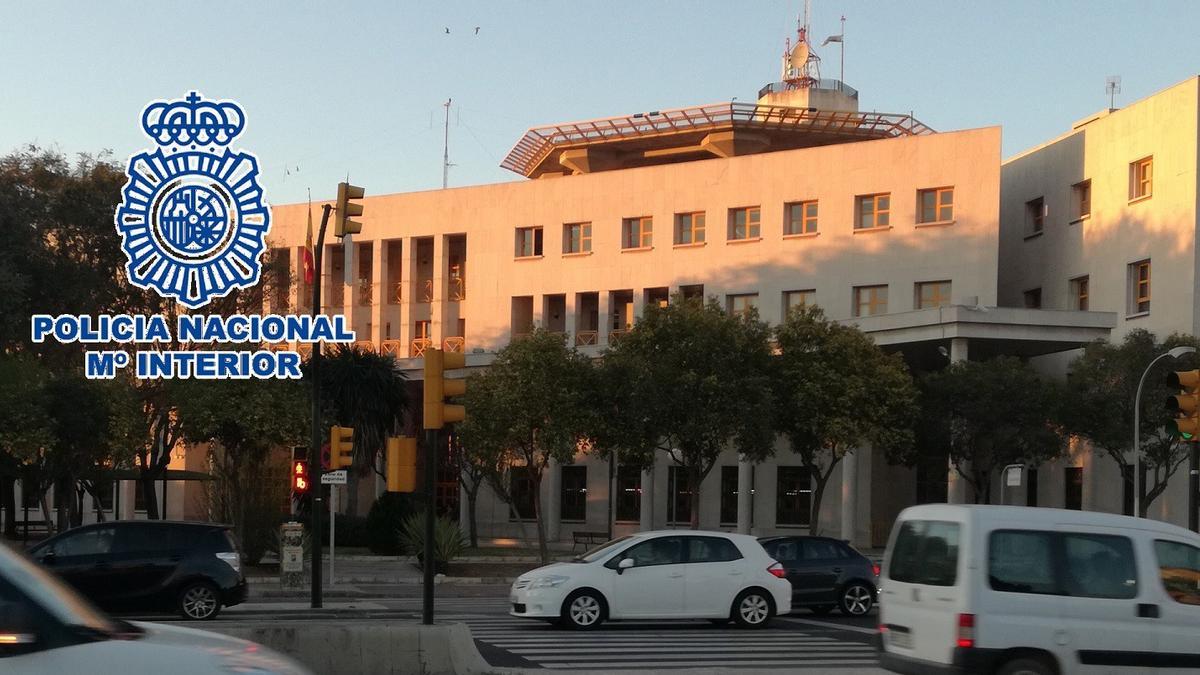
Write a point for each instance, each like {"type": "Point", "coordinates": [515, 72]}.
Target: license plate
{"type": "Point", "coordinates": [901, 639]}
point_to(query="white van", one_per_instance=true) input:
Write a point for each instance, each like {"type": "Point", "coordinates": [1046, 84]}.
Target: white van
{"type": "Point", "coordinates": [1007, 589]}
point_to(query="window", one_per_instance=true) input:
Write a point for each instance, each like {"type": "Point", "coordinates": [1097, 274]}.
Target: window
{"type": "Point", "coordinates": [870, 300]}
{"type": "Point", "coordinates": [1031, 486]}
{"type": "Point", "coordinates": [105, 489]}
{"type": "Point", "coordinates": [1035, 216]}
{"type": "Point", "coordinates": [679, 504]}
{"type": "Point", "coordinates": [937, 205]}
{"type": "Point", "coordinates": [637, 232]}
{"type": "Point", "coordinates": [793, 495]}
{"type": "Point", "coordinates": [1033, 298]}
{"type": "Point", "coordinates": [1022, 562]}
{"type": "Point", "coordinates": [1073, 488]}
{"type": "Point", "coordinates": [925, 552]}
{"type": "Point", "coordinates": [800, 218]}
{"type": "Point", "coordinates": [140, 538]}
{"type": "Point", "coordinates": [1075, 564]}
{"type": "Point", "coordinates": [577, 238]}
{"type": "Point", "coordinates": [629, 493]}
{"type": "Point", "coordinates": [529, 242]}
{"type": "Point", "coordinates": [574, 493]}
{"type": "Point", "coordinates": [657, 551]}
{"type": "Point", "coordinates": [873, 211]}
{"type": "Point", "coordinates": [689, 228]}
{"type": "Point", "coordinates": [1081, 194]}
{"type": "Point", "coordinates": [821, 549]}
{"type": "Point", "coordinates": [743, 223]}
{"type": "Point", "coordinates": [740, 305]}
{"type": "Point", "coordinates": [1079, 293]}
{"type": "Point", "coordinates": [1141, 178]}
{"type": "Point", "coordinates": [520, 488]}
{"type": "Point", "coordinates": [711, 549]}
{"type": "Point", "coordinates": [96, 541]}
{"type": "Point", "coordinates": [729, 495]}
{"type": "Point", "coordinates": [1139, 287]}
{"type": "Point", "coordinates": [1179, 569]}
{"type": "Point", "coordinates": [933, 294]}
{"type": "Point", "coordinates": [783, 550]}
{"type": "Point", "coordinates": [796, 299]}
{"type": "Point", "coordinates": [1099, 566]}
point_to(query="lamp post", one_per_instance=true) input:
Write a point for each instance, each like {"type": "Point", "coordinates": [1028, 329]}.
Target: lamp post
{"type": "Point", "coordinates": [1137, 435]}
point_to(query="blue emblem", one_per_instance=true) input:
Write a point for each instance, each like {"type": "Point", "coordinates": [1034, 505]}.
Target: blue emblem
{"type": "Point", "coordinates": [192, 218]}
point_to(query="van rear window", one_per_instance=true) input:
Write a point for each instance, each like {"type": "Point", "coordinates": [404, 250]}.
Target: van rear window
{"type": "Point", "coordinates": [925, 552]}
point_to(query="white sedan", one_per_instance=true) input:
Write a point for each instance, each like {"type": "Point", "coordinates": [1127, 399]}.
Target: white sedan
{"type": "Point", "coordinates": [673, 574]}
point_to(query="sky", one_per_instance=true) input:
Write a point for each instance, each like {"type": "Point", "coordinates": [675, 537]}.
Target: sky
{"type": "Point", "coordinates": [356, 89]}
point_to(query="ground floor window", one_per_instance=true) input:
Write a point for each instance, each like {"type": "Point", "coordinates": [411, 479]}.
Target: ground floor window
{"type": "Point", "coordinates": [629, 494]}
{"type": "Point", "coordinates": [1073, 488]}
{"type": "Point", "coordinates": [793, 495]}
{"type": "Point", "coordinates": [520, 488]}
{"type": "Point", "coordinates": [574, 493]}
{"type": "Point", "coordinates": [729, 495]}
{"type": "Point", "coordinates": [679, 496]}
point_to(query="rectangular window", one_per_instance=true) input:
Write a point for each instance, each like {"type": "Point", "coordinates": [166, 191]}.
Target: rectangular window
{"type": "Point", "coordinates": [1079, 293]}
{"type": "Point", "coordinates": [637, 232]}
{"type": "Point", "coordinates": [689, 228]}
{"type": "Point", "coordinates": [574, 493]}
{"type": "Point", "coordinates": [1139, 287]}
{"type": "Point", "coordinates": [793, 495]}
{"type": "Point", "coordinates": [679, 506]}
{"type": "Point", "coordinates": [577, 238]}
{"type": "Point", "coordinates": [529, 242]}
{"type": "Point", "coordinates": [520, 488]}
{"type": "Point", "coordinates": [1033, 298]}
{"type": "Point", "coordinates": [933, 294]}
{"type": "Point", "coordinates": [1035, 216]}
{"type": "Point", "coordinates": [936, 205]}
{"type": "Point", "coordinates": [729, 495]}
{"type": "Point", "coordinates": [873, 211]}
{"type": "Point", "coordinates": [1179, 569]}
{"type": "Point", "coordinates": [870, 300]}
{"type": "Point", "coordinates": [1022, 562]}
{"type": "Point", "coordinates": [740, 305]}
{"type": "Point", "coordinates": [629, 493]}
{"type": "Point", "coordinates": [800, 217]}
{"type": "Point", "coordinates": [1082, 196]}
{"type": "Point", "coordinates": [1073, 488]}
{"type": "Point", "coordinates": [1141, 178]}
{"type": "Point", "coordinates": [925, 552]}
{"type": "Point", "coordinates": [1099, 566]}
{"type": "Point", "coordinates": [743, 223]}
{"type": "Point", "coordinates": [795, 299]}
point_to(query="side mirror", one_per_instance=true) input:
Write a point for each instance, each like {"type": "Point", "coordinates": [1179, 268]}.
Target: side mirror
{"type": "Point", "coordinates": [625, 564]}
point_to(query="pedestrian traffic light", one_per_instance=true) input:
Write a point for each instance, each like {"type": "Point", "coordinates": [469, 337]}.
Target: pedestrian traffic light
{"type": "Point", "coordinates": [299, 476]}
{"type": "Point", "coordinates": [346, 210]}
{"type": "Point", "coordinates": [341, 447]}
{"type": "Point", "coordinates": [1185, 405]}
{"type": "Point", "coordinates": [438, 388]}
{"type": "Point", "coordinates": [401, 464]}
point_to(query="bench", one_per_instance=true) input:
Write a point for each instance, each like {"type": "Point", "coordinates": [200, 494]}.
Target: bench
{"type": "Point", "coordinates": [589, 538]}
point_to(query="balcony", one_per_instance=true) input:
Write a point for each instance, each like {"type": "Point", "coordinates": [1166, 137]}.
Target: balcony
{"type": "Point", "coordinates": [614, 336]}
{"type": "Point", "coordinates": [304, 349]}
{"type": "Point", "coordinates": [424, 290]}
{"type": "Point", "coordinates": [418, 346]}
{"type": "Point", "coordinates": [458, 289]}
{"type": "Point", "coordinates": [366, 292]}
{"type": "Point", "coordinates": [395, 292]}
{"type": "Point", "coordinates": [364, 346]}
{"type": "Point", "coordinates": [454, 344]}
{"type": "Point", "coordinates": [391, 348]}
{"type": "Point", "coordinates": [586, 338]}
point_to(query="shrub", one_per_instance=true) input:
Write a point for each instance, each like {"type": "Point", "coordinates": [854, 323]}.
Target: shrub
{"type": "Point", "coordinates": [383, 522]}
{"type": "Point", "coordinates": [448, 540]}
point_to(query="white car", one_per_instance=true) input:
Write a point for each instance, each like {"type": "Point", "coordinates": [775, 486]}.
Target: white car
{"type": "Point", "coordinates": [674, 574]}
{"type": "Point", "coordinates": [46, 627]}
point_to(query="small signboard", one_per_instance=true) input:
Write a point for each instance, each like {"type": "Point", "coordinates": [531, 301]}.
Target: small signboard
{"type": "Point", "coordinates": [291, 559]}
{"type": "Point", "coordinates": [1012, 476]}
{"type": "Point", "coordinates": [334, 477]}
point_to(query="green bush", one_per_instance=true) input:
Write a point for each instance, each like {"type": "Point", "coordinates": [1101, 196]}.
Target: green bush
{"type": "Point", "coordinates": [448, 540]}
{"type": "Point", "coordinates": [384, 521]}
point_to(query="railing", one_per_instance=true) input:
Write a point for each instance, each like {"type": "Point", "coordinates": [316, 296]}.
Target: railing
{"type": "Point", "coordinates": [458, 289]}
{"type": "Point", "coordinates": [418, 346]}
{"type": "Point", "coordinates": [396, 292]}
{"type": "Point", "coordinates": [615, 335]}
{"type": "Point", "coordinates": [522, 335]}
{"type": "Point", "coordinates": [584, 338]}
{"type": "Point", "coordinates": [424, 290]}
{"type": "Point", "coordinates": [824, 83]}
{"type": "Point", "coordinates": [304, 349]}
{"type": "Point", "coordinates": [366, 292]}
{"type": "Point", "coordinates": [364, 346]}
{"type": "Point", "coordinates": [391, 348]}
{"type": "Point", "coordinates": [454, 344]}
{"type": "Point", "coordinates": [560, 334]}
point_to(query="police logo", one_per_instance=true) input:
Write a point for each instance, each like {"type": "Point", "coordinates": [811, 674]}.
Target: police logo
{"type": "Point", "coordinates": [192, 218]}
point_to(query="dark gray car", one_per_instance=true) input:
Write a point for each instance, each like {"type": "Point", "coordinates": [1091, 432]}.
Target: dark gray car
{"type": "Point", "coordinates": [826, 573]}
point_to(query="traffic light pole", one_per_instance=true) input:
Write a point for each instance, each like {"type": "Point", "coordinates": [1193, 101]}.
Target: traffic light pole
{"type": "Point", "coordinates": [314, 450]}
{"type": "Point", "coordinates": [1193, 486]}
{"type": "Point", "coordinates": [431, 437]}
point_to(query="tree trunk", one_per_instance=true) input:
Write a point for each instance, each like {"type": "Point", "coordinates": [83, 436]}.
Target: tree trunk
{"type": "Point", "coordinates": [8, 501]}
{"type": "Point", "coordinates": [543, 550]}
{"type": "Point", "coordinates": [693, 474]}
{"type": "Point", "coordinates": [472, 526]}
{"type": "Point", "coordinates": [45, 504]}
{"type": "Point", "coordinates": [822, 480]}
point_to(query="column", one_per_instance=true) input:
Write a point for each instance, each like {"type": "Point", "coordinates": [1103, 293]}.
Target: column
{"type": "Point", "coordinates": [295, 271]}
{"type": "Point", "coordinates": [745, 500]}
{"type": "Point", "coordinates": [639, 302]}
{"type": "Point", "coordinates": [849, 495]}
{"type": "Point", "coordinates": [647, 501]}
{"type": "Point", "coordinates": [350, 278]}
{"type": "Point", "coordinates": [379, 291]}
{"type": "Point", "coordinates": [437, 308]}
{"type": "Point", "coordinates": [553, 500]}
{"type": "Point", "coordinates": [607, 307]}
{"type": "Point", "coordinates": [408, 266]}
{"type": "Point", "coordinates": [570, 324]}
{"type": "Point", "coordinates": [956, 487]}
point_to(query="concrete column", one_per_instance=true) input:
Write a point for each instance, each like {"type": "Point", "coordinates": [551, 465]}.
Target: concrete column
{"type": "Point", "coordinates": [607, 306]}
{"type": "Point", "coordinates": [849, 495]}
{"type": "Point", "coordinates": [378, 290]}
{"type": "Point", "coordinates": [553, 503]}
{"type": "Point", "coordinates": [441, 273]}
{"type": "Point", "coordinates": [639, 303]}
{"type": "Point", "coordinates": [956, 487]}
{"type": "Point", "coordinates": [745, 500]}
{"type": "Point", "coordinates": [350, 275]}
{"type": "Point", "coordinates": [569, 323]}
{"type": "Point", "coordinates": [408, 267]}
{"type": "Point", "coordinates": [295, 271]}
{"type": "Point", "coordinates": [647, 501]}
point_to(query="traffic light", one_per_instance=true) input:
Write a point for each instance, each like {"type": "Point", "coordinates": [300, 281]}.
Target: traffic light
{"type": "Point", "coordinates": [401, 464]}
{"type": "Point", "coordinates": [346, 210]}
{"type": "Point", "coordinates": [299, 476]}
{"type": "Point", "coordinates": [438, 388]}
{"type": "Point", "coordinates": [341, 447]}
{"type": "Point", "coordinates": [1185, 405]}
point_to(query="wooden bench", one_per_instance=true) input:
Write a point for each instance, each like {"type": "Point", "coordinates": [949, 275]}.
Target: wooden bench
{"type": "Point", "coordinates": [589, 538]}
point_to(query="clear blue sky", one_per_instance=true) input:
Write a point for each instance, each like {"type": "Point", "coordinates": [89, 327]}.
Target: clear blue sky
{"type": "Point", "coordinates": [332, 88]}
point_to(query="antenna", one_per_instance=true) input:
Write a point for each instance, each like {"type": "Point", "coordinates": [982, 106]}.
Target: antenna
{"type": "Point", "coordinates": [446, 148]}
{"type": "Point", "coordinates": [1112, 86]}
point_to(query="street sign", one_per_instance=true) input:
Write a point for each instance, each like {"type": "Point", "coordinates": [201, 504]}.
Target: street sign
{"type": "Point", "coordinates": [291, 559]}
{"type": "Point", "coordinates": [334, 477]}
{"type": "Point", "coordinates": [1012, 476]}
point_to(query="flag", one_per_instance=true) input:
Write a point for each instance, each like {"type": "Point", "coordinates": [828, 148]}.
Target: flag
{"type": "Point", "coordinates": [832, 38]}
{"type": "Point", "coordinates": [309, 263]}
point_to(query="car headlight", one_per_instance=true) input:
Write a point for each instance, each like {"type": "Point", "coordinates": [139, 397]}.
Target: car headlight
{"type": "Point", "coordinates": [548, 582]}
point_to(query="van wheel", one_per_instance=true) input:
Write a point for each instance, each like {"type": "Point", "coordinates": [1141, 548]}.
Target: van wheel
{"type": "Point", "coordinates": [753, 608]}
{"type": "Point", "coordinates": [199, 601]}
{"type": "Point", "coordinates": [582, 610]}
{"type": "Point", "coordinates": [856, 599]}
{"type": "Point", "coordinates": [1025, 666]}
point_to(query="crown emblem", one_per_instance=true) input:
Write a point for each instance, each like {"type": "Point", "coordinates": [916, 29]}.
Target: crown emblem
{"type": "Point", "coordinates": [193, 121]}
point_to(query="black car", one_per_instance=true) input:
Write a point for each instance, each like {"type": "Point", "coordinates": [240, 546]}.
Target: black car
{"type": "Point", "coordinates": [154, 566]}
{"type": "Point", "coordinates": [826, 573]}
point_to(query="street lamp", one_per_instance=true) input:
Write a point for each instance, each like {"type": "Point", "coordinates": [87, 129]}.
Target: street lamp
{"type": "Point", "coordinates": [1137, 408]}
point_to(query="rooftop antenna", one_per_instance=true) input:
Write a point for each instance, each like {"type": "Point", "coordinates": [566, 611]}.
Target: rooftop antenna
{"type": "Point", "coordinates": [446, 148]}
{"type": "Point", "coordinates": [801, 67]}
{"type": "Point", "coordinates": [1112, 85]}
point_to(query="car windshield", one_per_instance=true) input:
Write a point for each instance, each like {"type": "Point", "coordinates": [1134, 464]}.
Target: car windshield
{"type": "Point", "coordinates": [51, 594]}
{"type": "Point", "coordinates": [602, 550]}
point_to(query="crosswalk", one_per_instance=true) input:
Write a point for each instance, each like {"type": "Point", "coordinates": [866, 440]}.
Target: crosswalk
{"type": "Point", "coordinates": [625, 646]}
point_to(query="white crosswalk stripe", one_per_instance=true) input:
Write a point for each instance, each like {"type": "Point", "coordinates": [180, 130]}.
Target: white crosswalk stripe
{"type": "Point", "coordinates": [677, 645]}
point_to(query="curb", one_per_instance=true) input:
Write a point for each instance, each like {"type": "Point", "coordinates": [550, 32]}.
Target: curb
{"type": "Point", "coordinates": [270, 584]}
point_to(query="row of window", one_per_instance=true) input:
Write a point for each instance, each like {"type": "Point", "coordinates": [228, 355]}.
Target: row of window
{"type": "Point", "coordinates": [934, 206]}
{"type": "Point", "coordinates": [1137, 291]}
{"type": "Point", "coordinates": [868, 300]}
{"type": "Point", "coordinates": [1141, 186]}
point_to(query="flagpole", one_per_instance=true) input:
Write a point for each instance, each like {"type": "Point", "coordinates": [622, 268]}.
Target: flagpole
{"type": "Point", "coordinates": [842, 74]}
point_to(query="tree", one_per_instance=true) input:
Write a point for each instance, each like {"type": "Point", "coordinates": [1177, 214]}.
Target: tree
{"type": "Point", "coordinates": [26, 427]}
{"type": "Point", "coordinates": [989, 414]}
{"type": "Point", "coordinates": [533, 404]}
{"type": "Point", "coordinates": [835, 390]}
{"type": "Point", "coordinates": [1101, 385]}
{"type": "Point", "coordinates": [694, 382]}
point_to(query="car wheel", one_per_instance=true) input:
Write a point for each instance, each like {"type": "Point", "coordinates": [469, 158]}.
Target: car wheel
{"type": "Point", "coordinates": [199, 601]}
{"type": "Point", "coordinates": [1025, 666]}
{"type": "Point", "coordinates": [752, 608]}
{"type": "Point", "coordinates": [857, 599]}
{"type": "Point", "coordinates": [583, 610]}
{"type": "Point", "coordinates": [821, 610]}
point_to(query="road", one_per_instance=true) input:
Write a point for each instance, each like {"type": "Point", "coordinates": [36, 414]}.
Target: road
{"type": "Point", "coordinates": [798, 641]}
